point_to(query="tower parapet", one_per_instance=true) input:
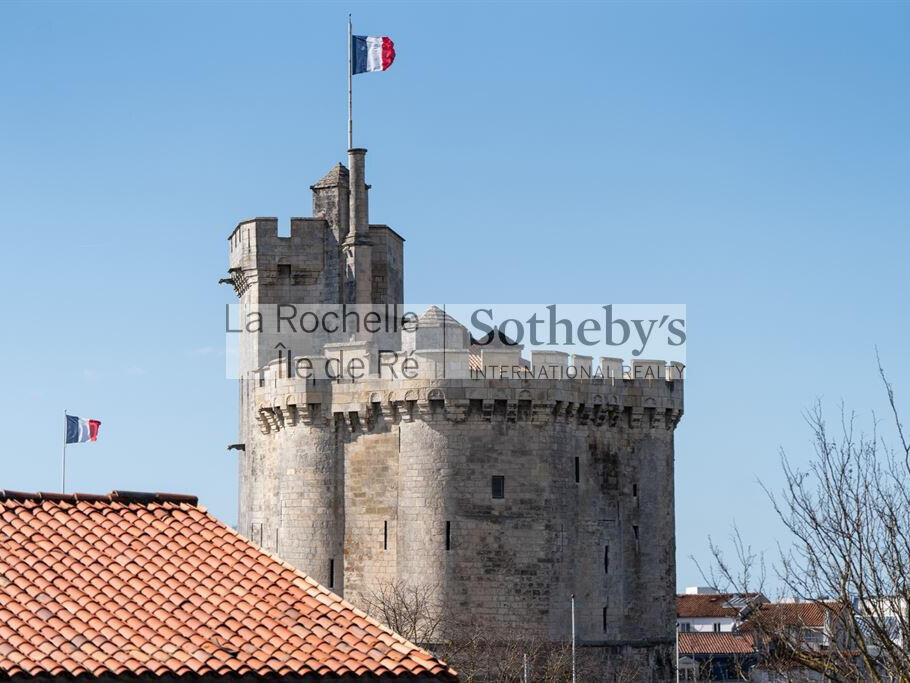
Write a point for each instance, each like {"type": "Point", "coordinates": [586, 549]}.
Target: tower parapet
{"type": "Point", "coordinates": [362, 405]}
{"type": "Point", "coordinates": [258, 256]}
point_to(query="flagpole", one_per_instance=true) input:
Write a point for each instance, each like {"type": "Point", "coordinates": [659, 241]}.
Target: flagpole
{"type": "Point", "coordinates": [350, 90]}
{"type": "Point", "coordinates": [63, 477]}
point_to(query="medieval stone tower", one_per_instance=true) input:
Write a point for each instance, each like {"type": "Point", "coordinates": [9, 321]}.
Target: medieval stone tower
{"type": "Point", "coordinates": [505, 496]}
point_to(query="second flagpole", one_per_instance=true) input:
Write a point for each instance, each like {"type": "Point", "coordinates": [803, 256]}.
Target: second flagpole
{"type": "Point", "coordinates": [350, 91]}
{"type": "Point", "coordinates": [63, 468]}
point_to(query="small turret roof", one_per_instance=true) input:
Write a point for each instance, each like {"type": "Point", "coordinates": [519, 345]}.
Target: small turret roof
{"type": "Point", "coordinates": [337, 176]}
{"type": "Point", "coordinates": [436, 317]}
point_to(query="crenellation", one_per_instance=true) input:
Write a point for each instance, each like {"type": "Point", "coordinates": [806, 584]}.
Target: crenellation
{"type": "Point", "coordinates": [582, 365]}
{"type": "Point", "coordinates": [611, 369]}
{"type": "Point", "coordinates": [552, 363]}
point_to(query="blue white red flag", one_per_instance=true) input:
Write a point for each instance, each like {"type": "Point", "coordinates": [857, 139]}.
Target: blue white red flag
{"type": "Point", "coordinates": [79, 429]}
{"type": "Point", "coordinates": [371, 53]}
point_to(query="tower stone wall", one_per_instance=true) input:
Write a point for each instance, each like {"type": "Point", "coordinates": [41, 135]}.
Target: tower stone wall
{"type": "Point", "coordinates": [367, 482]}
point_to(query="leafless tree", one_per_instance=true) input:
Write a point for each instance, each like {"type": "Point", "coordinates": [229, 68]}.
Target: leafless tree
{"type": "Point", "coordinates": [848, 518]}
{"type": "Point", "coordinates": [482, 656]}
{"type": "Point", "coordinates": [408, 609]}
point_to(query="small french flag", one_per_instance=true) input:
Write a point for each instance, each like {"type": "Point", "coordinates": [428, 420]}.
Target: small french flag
{"type": "Point", "coordinates": [371, 53]}
{"type": "Point", "coordinates": [79, 429]}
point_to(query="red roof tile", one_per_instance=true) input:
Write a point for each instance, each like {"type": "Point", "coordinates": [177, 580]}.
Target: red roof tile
{"type": "Point", "coordinates": [804, 614]}
{"type": "Point", "coordinates": [710, 643]}
{"type": "Point", "coordinates": [705, 605]}
{"type": "Point", "coordinates": [151, 584]}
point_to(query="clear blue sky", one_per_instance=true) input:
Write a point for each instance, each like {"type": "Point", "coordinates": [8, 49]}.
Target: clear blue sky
{"type": "Point", "coordinates": [749, 160]}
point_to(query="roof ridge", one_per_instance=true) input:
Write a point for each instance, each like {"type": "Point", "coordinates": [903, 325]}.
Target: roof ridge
{"type": "Point", "coordinates": [142, 497]}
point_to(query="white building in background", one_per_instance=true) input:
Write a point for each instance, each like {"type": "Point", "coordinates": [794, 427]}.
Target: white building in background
{"type": "Point", "coordinates": [705, 610]}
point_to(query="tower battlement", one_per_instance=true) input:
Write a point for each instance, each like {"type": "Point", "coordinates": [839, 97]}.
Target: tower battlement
{"type": "Point", "coordinates": [258, 255]}
{"type": "Point", "coordinates": [259, 236]}
{"type": "Point", "coordinates": [366, 405]}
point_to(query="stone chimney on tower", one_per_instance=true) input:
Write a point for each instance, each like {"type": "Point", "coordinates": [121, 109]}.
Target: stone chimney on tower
{"type": "Point", "coordinates": [357, 246]}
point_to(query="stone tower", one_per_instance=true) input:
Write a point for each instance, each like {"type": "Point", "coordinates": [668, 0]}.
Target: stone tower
{"type": "Point", "coordinates": [505, 496]}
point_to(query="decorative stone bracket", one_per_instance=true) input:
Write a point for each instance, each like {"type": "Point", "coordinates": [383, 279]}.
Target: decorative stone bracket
{"type": "Point", "coordinates": [640, 407]}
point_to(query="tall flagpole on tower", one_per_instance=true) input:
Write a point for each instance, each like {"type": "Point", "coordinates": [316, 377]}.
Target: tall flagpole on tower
{"type": "Point", "coordinates": [350, 91]}
{"type": "Point", "coordinates": [63, 468]}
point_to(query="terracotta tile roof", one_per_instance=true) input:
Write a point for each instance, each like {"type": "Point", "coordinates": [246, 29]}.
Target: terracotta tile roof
{"type": "Point", "coordinates": [151, 584]}
{"type": "Point", "coordinates": [805, 614]}
{"type": "Point", "coordinates": [710, 643]}
{"type": "Point", "coordinates": [705, 605]}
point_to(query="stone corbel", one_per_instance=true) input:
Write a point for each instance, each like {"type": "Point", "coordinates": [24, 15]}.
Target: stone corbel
{"type": "Point", "coordinates": [263, 421]}
{"type": "Point", "coordinates": [658, 419]}
{"type": "Point", "coordinates": [310, 414]}
{"type": "Point", "coordinates": [457, 409]}
{"type": "Point", "coordinates": [541, 412]}
{"type": "Point", "coordinates": [583, 413]}
{"type": "Point", "coordinates": [270, 419]}
{"type": "Point", "coordinates": [291, 412]}
{"type": "Point", "coordinates": [365, 415]}
{"type": "Point", "coordinates": [614, 415]}
{"type": "Point", "coordinates": [403, 410]}
{"type": "Point", "coordinates": [636, 417]}
{"type": "Point", "coordinates": [425, 410]}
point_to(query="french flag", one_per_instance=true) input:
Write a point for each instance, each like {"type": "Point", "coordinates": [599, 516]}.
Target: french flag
{"type": "Point", "coordinates": [371, 53]}
{"type": "Point", "coordinates": [79, 429]}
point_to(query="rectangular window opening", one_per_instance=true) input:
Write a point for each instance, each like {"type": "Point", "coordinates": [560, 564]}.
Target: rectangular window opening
{"type": "Point", "coordinates": [635, 531]}
{"type": "Point", "coordinates": [385, 535]}
{"type": "Point", "coordinates": [577, 469]}
{"type": "Point", "coordinates": [635, 490]}
{"type": "Point", "coordinates": [499, 487]}
{"type": "Point", "coordinates": [716, 627]}
{"type": "Point", "coordinates": [605, 618]}
{"type": "Point", "coordinates": [332, 573]}
{"type": "Point", "coordinates": [606, 559]}
{"type": "Point", "coordinates": [448, 535]}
